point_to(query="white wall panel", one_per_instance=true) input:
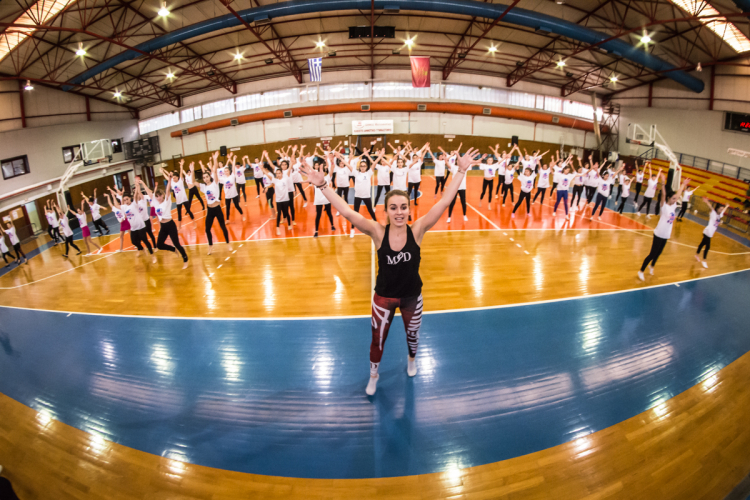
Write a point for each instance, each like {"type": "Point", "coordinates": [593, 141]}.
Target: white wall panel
{"type": "Point", "coordinates": [193, 144]}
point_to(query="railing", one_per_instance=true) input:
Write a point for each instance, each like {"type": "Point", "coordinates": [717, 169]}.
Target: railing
{"type": "Point", "coordinates": [735, 171]}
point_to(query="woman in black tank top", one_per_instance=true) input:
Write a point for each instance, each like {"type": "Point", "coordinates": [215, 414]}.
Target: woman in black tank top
{"type": "Point", "coordinates": [398, 284]}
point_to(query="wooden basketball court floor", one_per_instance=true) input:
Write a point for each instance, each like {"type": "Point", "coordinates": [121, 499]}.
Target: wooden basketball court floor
{"type": "Point", "coordinates": [546, 369]}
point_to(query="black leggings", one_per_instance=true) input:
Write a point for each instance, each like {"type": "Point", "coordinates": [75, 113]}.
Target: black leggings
{"type": "Point", "coordinates": [508, 188]}
{"type": "Point", "coordinates": [554, 186]}
{"type": "Point", "coordinates": [487, 183]}
{"type": "Point", "coordinates": [415, 187]}
{"type": "Point", "coordinates": [211, 214]}
{"type": "Point", "coordinates": [542, 191]}
{"type": "Point", "coordinates": [228, 203]}
{"type": "Point", "coordinates": [705, 242]}
{"type": "Point", "coordinates": [99, 225]}
{"type": "Point", "coordinates": [283, 206]}
{"type": "Point", "coordinates": [590, 192]}
{"type": "Point", "coordinates": [657, 247]}
{"type": "Point", "coordinates": [683, 209]}
{"type": "Point", "coordinates": [622, 205]}
{"type": "Point", "coordinates": [270, 195]}
{"type": "Point", "coordinates": [149, 230]}
{"type": "Point", "coordinates": [462, 194]}
{"type": "Point", "coordinates": [169, 229]}
{"type": "Point", "coordinates": [387, 190]}
{"type": "Point", "coordinates": [138, 237]}
{"type": "Point", "coordinates": [439, 183]}
{"type": "Point", "coordinates": [54, 233]}
{"type": "Point", "coordinates": [637, 191]}
{"type": "Point", "coordinates": [577, 192]}
{"type": "Point", "coordinates": [194, 193]}
{"type": "Point", "coordinates": [19, 252]}
{"type": "Point", "coordinates": [258, 184]}
{"type": "Point", "coordinates": [523, 196]}
{"type": "Point", "coordinates": [68, 243]}
{"type": "Point", "coordinates": [298, 185]}
{"type": "Point", "coordinates": [319, 213]}
{"type": "Point", "coordinates": [368, 204]}
{"type": "Point", "coordinates": [600, 200]}
{"type": "Point", "coordinates": [500, 183]}
{"type": "Point", "coordinates": [291, 205]}
{"type": "Point", "coordinates": [241, 189]}
{"type": "Point", "coordinates": [619, 193]}
{"type": "Point", "coordinates": [344, 193]}
{"type": "Point", "coordinates": [5, 259]}
{"type": "Point", "coordinates": [657, 210]}
{"type": "Point", "coordinates": [647, 203]}
{"type": "Point", "coordinates": [185, 205]}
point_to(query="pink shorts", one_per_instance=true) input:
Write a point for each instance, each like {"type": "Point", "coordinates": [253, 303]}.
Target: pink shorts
{"type": "Point", "coordinates": [85, 231]}
{"type": "Point", "coordinates": [124, 226]}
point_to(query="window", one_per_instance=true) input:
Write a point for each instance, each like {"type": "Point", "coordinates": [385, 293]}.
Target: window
{"type": "Point", "coordinates": [117, 145]}
{"type": "Point", "coordinates": [159, 122]}
{"type": "Point", "coordinates": [71, 153]}
{"type": "Point", "coordinates": [218, 108]}
{"type": "Point", "coordinates": [191, 114]}
{"type": "Point", "coordinates": [13, 167]}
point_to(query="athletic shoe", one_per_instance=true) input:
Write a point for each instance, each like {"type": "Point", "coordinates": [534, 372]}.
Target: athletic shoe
{"type": "Point", "coordinates": [315, 235]}
{"type": "Point", "coordinates": [304, 205]}
{"type": "Point", "coordinates": [294, 223]}
{"type": "Point", "coordinates": [704, 264]}
{"type": "Point", "coordinates": [257, 197]}
{"type": "Point", "coordinates": [651, 270]}
{"type": "Point", "coordinates": [411, 367]}
{"type": "Point", "coordinates": [641, 276]}
{"type": "Point", "coordinates": [512, 216]}
{"type": "Point", "coordinates": [489, 206]}
{"type": "Point", "coordinates": [185, 265]}
{"type": "Point", "coordinates": [554, 214]}
{"type": "Point", "coordinates": [278, 231]}
{"type": "Point", "coordinates": [466, 219]}
{"type": "Point", "coordinates": [648, 216]}
{"type": "Point", "coordinates": [599, 218]}
{"type": "Point", "coordinates": [351, 235]}
{"type": "Point", "coordinates": [337, 214]}
{"type": "Point", "coordinates": [153, 260]}
{"type": "Point", "coordinates": [697, 258]}
{"type": "Point", "coordinates": [567, 217]}
{"type": "Point", "coordinates": [372, 386]}
{"type": "Point", "coordinates": [449, 219]}
{"type": "Point", "coordinates": [638, 214]}
{"type": "Point", "coordinates": [243, 218]}
{"type": "Point", "coordinates": [333, 228]}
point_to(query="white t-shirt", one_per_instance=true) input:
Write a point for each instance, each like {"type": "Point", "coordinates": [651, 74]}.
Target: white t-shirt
{"type": "Point", "coordinates": [557, 172]}
{"type": "Point", "coordinates": [95, 209]}
{"type": "Point", "coordinates": [543, 181]}
{"type": "Point", "coordinates": [239, 174]}
{"type": "Point", "coordinates": [289, 182]}
{"type": "Point", "coordinates": [257, 170]}
{"type": "Point", "coordinates": [64, 224]}
{"type": "Point", "coordinates": [527, 182]}
{"type": "Point", "coordinates": [143, 208]}
{"type": "Point", "coordinates": [362, 184]}
{"type": "Point", "coordinates": [454, 171]}
{"type": "Point", "coordinates": [341, 174]}
{"type": "Point", "coordinates": [714, 221]}
{"type": "Point", "coordinates": [639, 177]}
{"type": "Point", "coordinates": [178, 188]}
{"type": "Point", "coordinates": [686, 195]}
{"type": "Point", "coordinates": [211, 191]}
{"type": "Point", "coordinates": [3, 246]}
{"type": "Point", "coordinates": [230, 186]}
{"type": "Point", "coordinates": [528, 163]}
{"type": "Point", "coordinates": [509, 173]}
{"type": "Point", "coordinates": [119, 214]}
{"type": "Point", "coordinates": [320, 198]}
{"type": "Point", "coordinates": [164, 209]}
{"type": "Point", "coordinates": [51, 219]}
{"type": "Point", "coordinates": [384, 174]}
{"type": "Point", "coordinates": [625, 183]}
{"type": "Point", "coordinates": [604, 187]}
{"type": "Point", "coordinates": [501, 166]}
{"type": "Point", "coordinates": [296, 175]}
{"type": "Point", "coordinates": [592, 178]}
{"type": "Point", "coordinates": [82, 222]}
{"type": "Point", "coordinates": [564, 183]}
{"type": "Point", "coordinates": [415, 171]}
{"type": "Point", "coordinates": [651, 189]}
{"type": "Point", "coordinates": [280, 188]}
{"type": "Point", "coordinates": [134, 216]}
{"type": "Point", "coordinates": [666, 221]}
{"type": "Point", "coordinates": [13, 237]}
{"type": "Point", "coordinates": [489, 170]}
{"type": "Point", "coordinates": [579, 180]}
{"type": "Point", "coordinates": [439, 168]}
{"type": "Point", "coordinates": [399, 178]}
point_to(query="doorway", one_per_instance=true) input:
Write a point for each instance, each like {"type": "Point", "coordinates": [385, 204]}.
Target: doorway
{"type": "Point", "coordinates": [33, 217]}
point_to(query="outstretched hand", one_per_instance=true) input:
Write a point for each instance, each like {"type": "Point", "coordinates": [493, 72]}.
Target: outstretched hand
{"type": "Point", "coordinates": [467, 161]}
{"type": "Point", "coordinates": [315, 177]}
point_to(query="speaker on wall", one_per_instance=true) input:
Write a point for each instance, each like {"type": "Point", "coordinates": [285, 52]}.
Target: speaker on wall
{"type": "Point", "coordinates": [514, 139]}
{"type": "Point", "coordinates": [223, 151]}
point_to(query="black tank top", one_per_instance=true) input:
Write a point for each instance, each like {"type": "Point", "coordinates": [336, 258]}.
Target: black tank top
{"type": "Point", "coordinates": [398, 272]}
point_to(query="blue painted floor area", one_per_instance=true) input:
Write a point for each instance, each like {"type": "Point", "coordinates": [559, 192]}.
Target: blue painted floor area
{"type": "Point", "coordinates": [286, 398]}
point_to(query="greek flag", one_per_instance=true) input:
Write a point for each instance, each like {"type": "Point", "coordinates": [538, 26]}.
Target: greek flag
{"type": "Point", "coordinates": [316, 68]}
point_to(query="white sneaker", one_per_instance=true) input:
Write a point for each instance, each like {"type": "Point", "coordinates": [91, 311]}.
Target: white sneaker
{"type": "Point", "coordinates": [278, 231]}
{"type": "Point", "coordinates": [304, 205]}
{"type": "Point", "coordinates": [372, 385]}
{"type": "Point", "coordinates": [337, 214]}
{"type": "Point", "coordinates": [449, 219]}
{"type": "Point", "coordinates": [567, 217]}
{"type": "Point", "coordinates": [554, 214]}
{"type": "Point", "coordinates": [651, 270]}
{"type": "Point", "coordinates": [489, 206]}
{"type": "Point", "coordinates": [184, 265]}
{"type": "Point", "coordinates": [411, 367]}
{"type": "Point", "coordinates": [351, 235]}
{"type": "Point", "coordinates": [641, 276]}
{"type": "Point", "coordinates": [257, 197]}
{"type": "Point", "coordinates": [495, 196]}
{"type": "Point", "coordinates": [466, 219]}
{"type": "Point", "coordinates": [599, 218]}
{"type": "Point", "coordinates": [638, 214]}
{"type": "Point", "coordinates": [153, 259]}
{"type": "Point", "coordinates": [648, 216]}
{"type": "Point", "coordinates": [704, 264]}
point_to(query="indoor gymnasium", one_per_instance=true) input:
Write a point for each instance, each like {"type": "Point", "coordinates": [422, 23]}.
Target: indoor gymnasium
{"type": "Point", "coordinates": [212, 219]}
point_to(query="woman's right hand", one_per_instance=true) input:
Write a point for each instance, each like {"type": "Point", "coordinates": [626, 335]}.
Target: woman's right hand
{"type": "Point", "coordinates": [315, 177]}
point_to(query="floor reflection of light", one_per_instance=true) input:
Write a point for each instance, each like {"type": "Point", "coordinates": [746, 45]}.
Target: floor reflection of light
{"type": "Point", "coordinates": [338, 294]}
{"type": "Point", "coordinates": [269, 296]}
{"type": "Point", "coordinates": [583, 276]}
{"type": "Point", "coordinates": [44, 417]}
{"type": "Point", "coordinates": [476, 278]}
{"type": "Point", "coordinates": [453, 474]}
{"type": "Point", "coordinates": [161, 359]}
{"type": "Point", "coordinates": [710, 384]}
{"type": "Point", "coordinates": [210, 296]}
{"type": "Point", "coordinates": [97, 444]}
{"type": "Point", "coordinates": [323, 364]}
{"type": "Point", "coordinates": [538, 274]}
{"type": "Point", "coordinates": [108, 353]}
{"type": "Point", "coordinates": [583, 445]}
{"type": "Point", "coordinates": [232, 363]}
{"type": "Point", "coordinates": [426, 363]}
{"type": "Point", "coordinates": [591, 336]}
{"type": "Point", "coordinates": [661, 410]}
{"type": "Point", "coordinates": [647, 360]}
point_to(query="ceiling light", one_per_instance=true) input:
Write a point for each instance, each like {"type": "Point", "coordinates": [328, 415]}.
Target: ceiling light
{"type": "Point", "coordinates": [117, 94]}
{"type": "Point", "coordinates": [492, 49]}
{"type": "Point", "coordinates": [163, 12]}
{"type": "Point", "coordinates": [699, 68]}
{"type": "Point", "coordinates": [28, 85]}
{"type": "Point", "coordinates": [170, 75]}
{"type": "Point", "coordinates": [332, 53]}
{"type": "Point", "coordinates": [569, 74]}
{"type": "Point", "coordinates": [645, 39]}
{"type": "Point", "coordinates": [613, 78]}
{"type": "Point", "coordinates": [80, 51]}
{"type": "Point", "coordinates": [269, 61]}
{"type": "Point", "coordinates": [462, 55]}
{"type": "Point", "coordinates": [320, 44]}
{"type": "Point", "coordinates": [409, 42]}
{"type": "Point", "coordinates": [560, 63]}
{"type": "Point", "coordinates": [395, 52]}
{"type": "Point", "coordinates": [237, 56]}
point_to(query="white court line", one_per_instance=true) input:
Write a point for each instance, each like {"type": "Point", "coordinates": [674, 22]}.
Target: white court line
{"type": "Point", "coordinates": [357, 316]}
{"type": "Point", "coordinates": [259, 228]}
{"type": "Point", "coordinates": [58, 274]}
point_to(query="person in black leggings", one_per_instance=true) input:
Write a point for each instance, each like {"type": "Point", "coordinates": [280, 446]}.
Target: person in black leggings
{"type": "Point", "coordinates": [210, 188]}
{"type": "Point", "coordinates": [167, 227]}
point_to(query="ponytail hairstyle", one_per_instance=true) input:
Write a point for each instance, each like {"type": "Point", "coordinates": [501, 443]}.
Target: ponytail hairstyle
{"type": "Point", "coordinates": [390, 194]}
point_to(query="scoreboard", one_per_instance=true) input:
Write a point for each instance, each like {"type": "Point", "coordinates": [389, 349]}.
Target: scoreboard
{"type": "Point", "coordinates": [148, 146]}
{"type": "Point", "coordinates": [737, 122]}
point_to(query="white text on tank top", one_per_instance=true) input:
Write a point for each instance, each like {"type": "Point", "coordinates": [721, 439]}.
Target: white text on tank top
{"type": "Point", "coordinates": [133, 216]}
{"type": "Point", "coordinates": [320, 198]}
{"type": "Point", "coordinates": [666, 221]}
{"type": "Point", "coordinates": [64, 224]}
{"type": "Point", "coordinates": [543, 178]}
{"type": "Point", "coordinates": [399, 178]}
{"type": "Point", "coordinates": [454, 171]}
{"type": "Point", "coordinates": [239, 174]}
{"type": "Point", "coordinates": [714, 221]}
{"type": "Point", "coordinates": [179, 192]}
{"type": "Point", "coordinates": [13, 237]}
{"type": "Point", "coordinates": [164, 209]}
{"type": "Point", "coordinates": [384, 175]}
{"type": "Point", "coordinates": [564, 181]}
{"type": "Point", "coordinates": [651, 189]}
{"type": "Point", "coordinates": [439, 168]}
{"type": "Point", "coordinates": [280, 188]}
{"type": "Point", "coordinates": [211, 191]}
{"type": "Point", "coordinates": [230, 186]}
{"type": "Point", "coordinates": [527, 182]}
{"type": "Point", "coordinates": [362, 184]}
{"type": "Point", "coordinates": [603, 188]}
{"type": "Point", "coordinates": [342, 176]}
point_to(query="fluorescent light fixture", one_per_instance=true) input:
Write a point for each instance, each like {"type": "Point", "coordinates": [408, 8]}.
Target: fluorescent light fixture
{"type": "Point", "coordinates": [725, 30]}
{"type": "Point", "coordinates": [164, 12]}
{"type": "Point", "coordinates": [42, 11]}
{"type": "Point", "coordinates": [560, 63]}
{"type": "Point", "coordinates": [28, 85]}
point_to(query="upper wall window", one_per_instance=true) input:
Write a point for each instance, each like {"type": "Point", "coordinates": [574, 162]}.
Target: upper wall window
{"type": "Point", "coordinates": [13, 167]}
{"type": "Point", "coordinates": [71, 153]}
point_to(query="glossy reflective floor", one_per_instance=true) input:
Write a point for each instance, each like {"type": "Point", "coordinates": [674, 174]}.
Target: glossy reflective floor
{"type": "Point", "coordinates": [547, 370]}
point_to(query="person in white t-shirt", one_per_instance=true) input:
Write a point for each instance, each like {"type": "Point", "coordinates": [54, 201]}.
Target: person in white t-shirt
{"type": "Point", "coordinates": [231, 193]}
{"type": "Point", "coordinates": [193, 192]}
{"type": "Point", "coordinates": [578, 185]}
{"type": "Point", "coordinates": [686, 201]}
{"type": "Point", "coordinates": [210, 188]}
{"type": "Point", "coordinates": [4, 249]}
{"type": "Point", "coordinates": [320, 201]}
{"type": "Point", "coordinates": [162, 204]}
{"type": "Point", "coordinates": [639, 175]}
{"type": "Point", "coordinates": [180, 196]}
{"type": "Point", "coordinates": [283, 200]}
{"type": "Point", "coordinates": [542, 183]}
{"type": "Point", "coordinates": [489, 167]}
{"type": "Point", "coordinates": [143, 211]}
{"type": "Point", "coordinates": [510, 172]}
{"type": "Point", "coordinates": [503, 160]}
{"type": "Point", "coordinates": [84, 225]}
{"type": "Point", "coordinates": [663, 230]}
{"type": "Point", "coordinates": [401, 173]}
{"type": "Point", "coordinates": [603, 191]}
{"type": "Point", "coordinates": [10, 230]}
{"type": "Point", "coordinates": [138, 234]}
{"type": "Point", "coordinates": [384, 176]}
{"type": "Point", "coordinates": [461, 193]}
{"type": "Point", "coordinates": [124, 224]}
{"type": "Point", "coordinates": [363, 184]}
{"type": "Point", "coordinates": [527, 184]}
{"type": "Point", "coordinates": [257, 167]}
{"type": "Point", "coordinates": [239, 178]}
{"type": "Point", "coordinates": [295, 165]}
{"type": "Point", "coordinates": [648, 196]}
{"type": "Point", "coordinates": [564, 181]}
{"type": "Point", "coordinates": [415, 172]}
{"type": "Point", "coordinates": [66, 231]}
{"type": "Point", "coordinates": [53, 226]}
{"type": "Point", "coordinates": [96, 215]}
{"type": "Point", "coordinates": [714, 221]}
{"type": "Point", "coordinates": [441, 173]}
{"type": "Point", "coordinates": [625, 182]}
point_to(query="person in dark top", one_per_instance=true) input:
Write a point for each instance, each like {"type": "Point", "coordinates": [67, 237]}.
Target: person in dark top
{"type": "Point", "coordinates": [398, 284]}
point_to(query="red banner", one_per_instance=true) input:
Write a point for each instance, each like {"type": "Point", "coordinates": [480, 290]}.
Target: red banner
{"type": "Point", "coordinates": [420, 71]}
